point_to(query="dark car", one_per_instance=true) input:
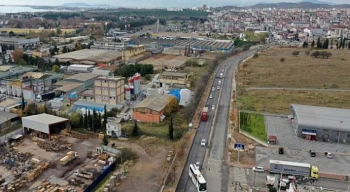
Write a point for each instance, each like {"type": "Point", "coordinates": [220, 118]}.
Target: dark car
{"type": "Point", "coordinates": [281, 150]}
{"type": "Point", "coordinates": [312, 153]}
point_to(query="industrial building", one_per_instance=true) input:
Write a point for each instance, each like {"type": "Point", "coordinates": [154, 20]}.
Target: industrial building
{"type": "Point", "coordinates": [97, 57]}
{"type": "Point", "coordinates": [8, 119]}
{"type": "Point", "coordinates": [12, 43]}
{"type": "Point", "coordinates": [109, 90]}
{"type": "Point", "coordinates": [151, 109]}
{"type": "Point", "coordinates": [44, 125]}
{"type": "Point", "coordinates": [175, 79]}
{"type": "Point", "coordinates": [193, 44]}
{"type": "Point", "coordinates": [321, 123]}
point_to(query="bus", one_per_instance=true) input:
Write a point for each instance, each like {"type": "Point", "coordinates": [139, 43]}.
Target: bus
{"type": "Point", "coordinates": [197, 178]}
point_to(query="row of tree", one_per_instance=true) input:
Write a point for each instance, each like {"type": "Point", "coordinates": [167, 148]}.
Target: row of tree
{"type": "Point", "coordinates": [341, 44]}
{"type": "Point", "coordinates": [130, 70]}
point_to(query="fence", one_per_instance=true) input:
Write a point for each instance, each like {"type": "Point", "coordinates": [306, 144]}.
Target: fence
{"type": "Point", "coordinates": [103, 175]}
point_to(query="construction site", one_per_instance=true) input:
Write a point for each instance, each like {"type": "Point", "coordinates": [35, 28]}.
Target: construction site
{"type": "Point", "coordinates": [68, 162]}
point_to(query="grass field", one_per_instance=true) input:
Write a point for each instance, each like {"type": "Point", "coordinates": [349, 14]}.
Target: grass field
{"type": "Point", "coordinates": [296, 71]}
{"type": "Point", "coordinates": [278, 101]}
{"type": "Point", "coordinates": [197, 73]}
{"type": "Point", "coordinates": [27, 30]}
{"type": "Point", "coordinates": [254, 125]}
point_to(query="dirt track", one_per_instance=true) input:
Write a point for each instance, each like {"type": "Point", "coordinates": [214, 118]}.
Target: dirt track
{"type": "Point", "coordinates": [145, 174]}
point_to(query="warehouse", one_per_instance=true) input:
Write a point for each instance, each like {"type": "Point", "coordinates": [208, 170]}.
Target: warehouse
{"type": "Point", "coordinates": [44, 125]}
{"type": "Point", "coordinates": [321, 123]}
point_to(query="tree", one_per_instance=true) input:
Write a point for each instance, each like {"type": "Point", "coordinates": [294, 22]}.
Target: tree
{"type": "Point", "coordinates": [307, 52]}
{"type": "Point", "coordinates": [325, 44]}
{"type": "Point", "coordinates": [86, 120]}
{"type": "Point", "coordinates": [282, 60]}
{"type": "Point", "coordinates": [94, 120]}
{"type": "Point", "coordinates": [58, 31]}
{"type": "Point", "coordinates": [319, 44]}
{"type": "Point", "coordinates": [56, 62]}
{"type": "Point", "coordinates": [332, 44]}
{"type": "Point", "coordinates": [64, 49]}
{"type": "Point", "coordinates": [295, 53]}
{"type": "Point", "coordinates": [10, 60]}
{"type": "Point", "coordinates": [305, 44]}
{"type": "Point", "coordinates": [135, 130]}
{"type": "Point", "coordinates": [90, 120]}
{"type": "Point", "coordinates": [17, 55]}
{"type": "Point", "coordinates": [313, 44]}
{"type": "Point", "coordinates": [55, 68]}
{"type": "Point", "coordinates": [148, 77]}
{"type": "Point", "coordinates": [315, 54]}
{"type": "Point", "coordinates": [172, 107]}
{"type": "Point", "coordinates": [74, 119]}
{"type": "Point", "coordinates": [11, 33]}
{"type": "Point", "coordinates": [325, 54]}
{"type": "Point", "coordinates": [105, 140]}
{"type": "Point", "coordinates": [273, 189]}
{"type": "Point", "coordinates": [348, 45]}
{"type": "Point", "coordinates": [171, 129]}
{"type": "Point", "coordinates": [343, 44]}
{"type": "Point", "coordinates": [105, 119]}
{"type": "Point", "coordinates": [81, 120]}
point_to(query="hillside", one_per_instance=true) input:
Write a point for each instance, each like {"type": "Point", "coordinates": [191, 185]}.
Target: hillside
{"type": "Point", "coordinates": [304, 5]}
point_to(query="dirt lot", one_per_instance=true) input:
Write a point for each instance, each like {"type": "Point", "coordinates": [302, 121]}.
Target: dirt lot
{"type": "Point", "coordinates": [161, 60]}
{"type": "Point", "coordinates": [296, 71]}
{"type": "Point", "coordinates": [146, 174]}
{"type": "Point", "coordinates": [278, 101]}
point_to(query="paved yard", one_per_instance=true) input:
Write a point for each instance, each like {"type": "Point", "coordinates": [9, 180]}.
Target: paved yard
{"type": "Point", "coordinates": [286, 135]}
{"type": "Point", "coordinates": [340, 164]}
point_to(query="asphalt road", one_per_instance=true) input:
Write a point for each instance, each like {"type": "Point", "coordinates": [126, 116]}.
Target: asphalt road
{"type": "Point", "coordinates": [217, 174]}
{"type": "Point", "coordinates": [197, 152]}
{"type": "Point", "coordinates": [217, 146]}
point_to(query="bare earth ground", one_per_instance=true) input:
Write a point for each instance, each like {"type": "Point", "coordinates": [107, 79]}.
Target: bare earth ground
{"type": "Point", "coordinates": [297, 71]}
{"type": "Point", "coordinates": [278, 101]}
{"type": "Point", "coordinates": [146, 174]}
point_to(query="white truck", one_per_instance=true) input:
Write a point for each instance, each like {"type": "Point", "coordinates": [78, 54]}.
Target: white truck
{"type": "Point", "coordinates": [293, 168]}
{"type": "Point", "coordinates": [270, 180]}
{"type": "Point", "coordinates": [221, 75]}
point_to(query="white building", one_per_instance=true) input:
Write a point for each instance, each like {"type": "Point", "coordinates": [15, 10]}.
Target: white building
{"type": "Point", "coordinates": [113, 127]}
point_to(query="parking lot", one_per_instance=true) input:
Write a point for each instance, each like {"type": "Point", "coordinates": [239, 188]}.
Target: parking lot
{"type": "Point", "coordinates": [340, 164]}
{"type": "Point", "coordinates": [285, 132]}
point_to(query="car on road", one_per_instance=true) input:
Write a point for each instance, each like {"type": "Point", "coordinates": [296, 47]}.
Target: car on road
{"type": "Point", "coordinates": [312, 153]}
{"type": "Point", "coordinates": [213, 107]}
{"type": "Point", "coordinates": [218, 87]}
{"type": "Point", "coordinates": [203, 142]}
{"type": "Point", "coordinates": [258, 169]}
{"type": "Point", "coordinates": [213, 89]}
{"type": "Point", "coordinates": [210, 96]}
{"type": "Point", "coordinates": [328, 155]}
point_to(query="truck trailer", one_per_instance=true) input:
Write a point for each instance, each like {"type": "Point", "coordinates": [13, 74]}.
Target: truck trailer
{"type": "Point", "coordinates": [45, 96]}
{"type": "Point", "coordinates": [204, 115]}
{"type": "Point", "coordinates": [71, 155]}
{"type": "Point", "coordinates": [293, 168]}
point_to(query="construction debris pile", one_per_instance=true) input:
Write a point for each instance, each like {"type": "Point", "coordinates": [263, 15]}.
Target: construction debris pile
{"type": "Point", "coordinates": [46, 186]}
{"type": "Point", "coordinates": [74, 134]}
{"type": "Point", "coordinates": [53, 145]}
{"type": "Point", "coordinates": [11, 159]}
{"type": "Point", "coordinates": [25, 173]}
{"type": "Point", "coordinates": [114, 182]}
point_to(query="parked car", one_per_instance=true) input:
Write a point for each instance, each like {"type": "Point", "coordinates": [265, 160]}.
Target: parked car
{"type": "Point", "coordinates": [328, 155]}
{"type": "Point", "coordinates": [258, 169]}
{"type": "Point", "coordinates": [281, 150]}
{"type": "Point", "coordinates": [203, 142]}
{"type": "Point", "coordinates": [312, 153]}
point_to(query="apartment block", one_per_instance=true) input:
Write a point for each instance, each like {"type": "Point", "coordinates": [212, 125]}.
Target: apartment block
{"type": "Point", "coordinates": [109, 90]}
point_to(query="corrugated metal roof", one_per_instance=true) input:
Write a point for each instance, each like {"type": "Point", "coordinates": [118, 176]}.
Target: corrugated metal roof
{"type": "Point", "coordinates": [156, 103]}
{"type": "Point", "coordinates": [322, 117]}
{"type": "Point", "coordinates": [69, 87]}
{"type": "Point", "coordinates": [82, 76]}
{"type": "Point", "coordinates": [45, 118]}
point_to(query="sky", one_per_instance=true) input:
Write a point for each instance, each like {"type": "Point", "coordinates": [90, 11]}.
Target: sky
{"type": "Point", "coordinates": [154, 3]}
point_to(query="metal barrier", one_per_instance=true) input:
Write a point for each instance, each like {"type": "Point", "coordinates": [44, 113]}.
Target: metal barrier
{"type": "Point", "coordinates": [103, 175]}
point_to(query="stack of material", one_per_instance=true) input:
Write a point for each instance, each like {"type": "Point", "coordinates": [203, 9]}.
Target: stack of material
{"type": "Point", "coordinates": [48, 187]}
{"type": "Point", "coordinates": [37, 171]}
{"type": "Point", "coordinates": [74, 134]}
{"type": "Point", "coordinates": [103, 157]}
{"type": "Point", "coordinates": [55, 145]}
{"type": "Point", "coordinates": [15, 185]}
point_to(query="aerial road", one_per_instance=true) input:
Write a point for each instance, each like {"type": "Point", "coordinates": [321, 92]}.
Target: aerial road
{"type": "Point", "coordinates": [218, 143]}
